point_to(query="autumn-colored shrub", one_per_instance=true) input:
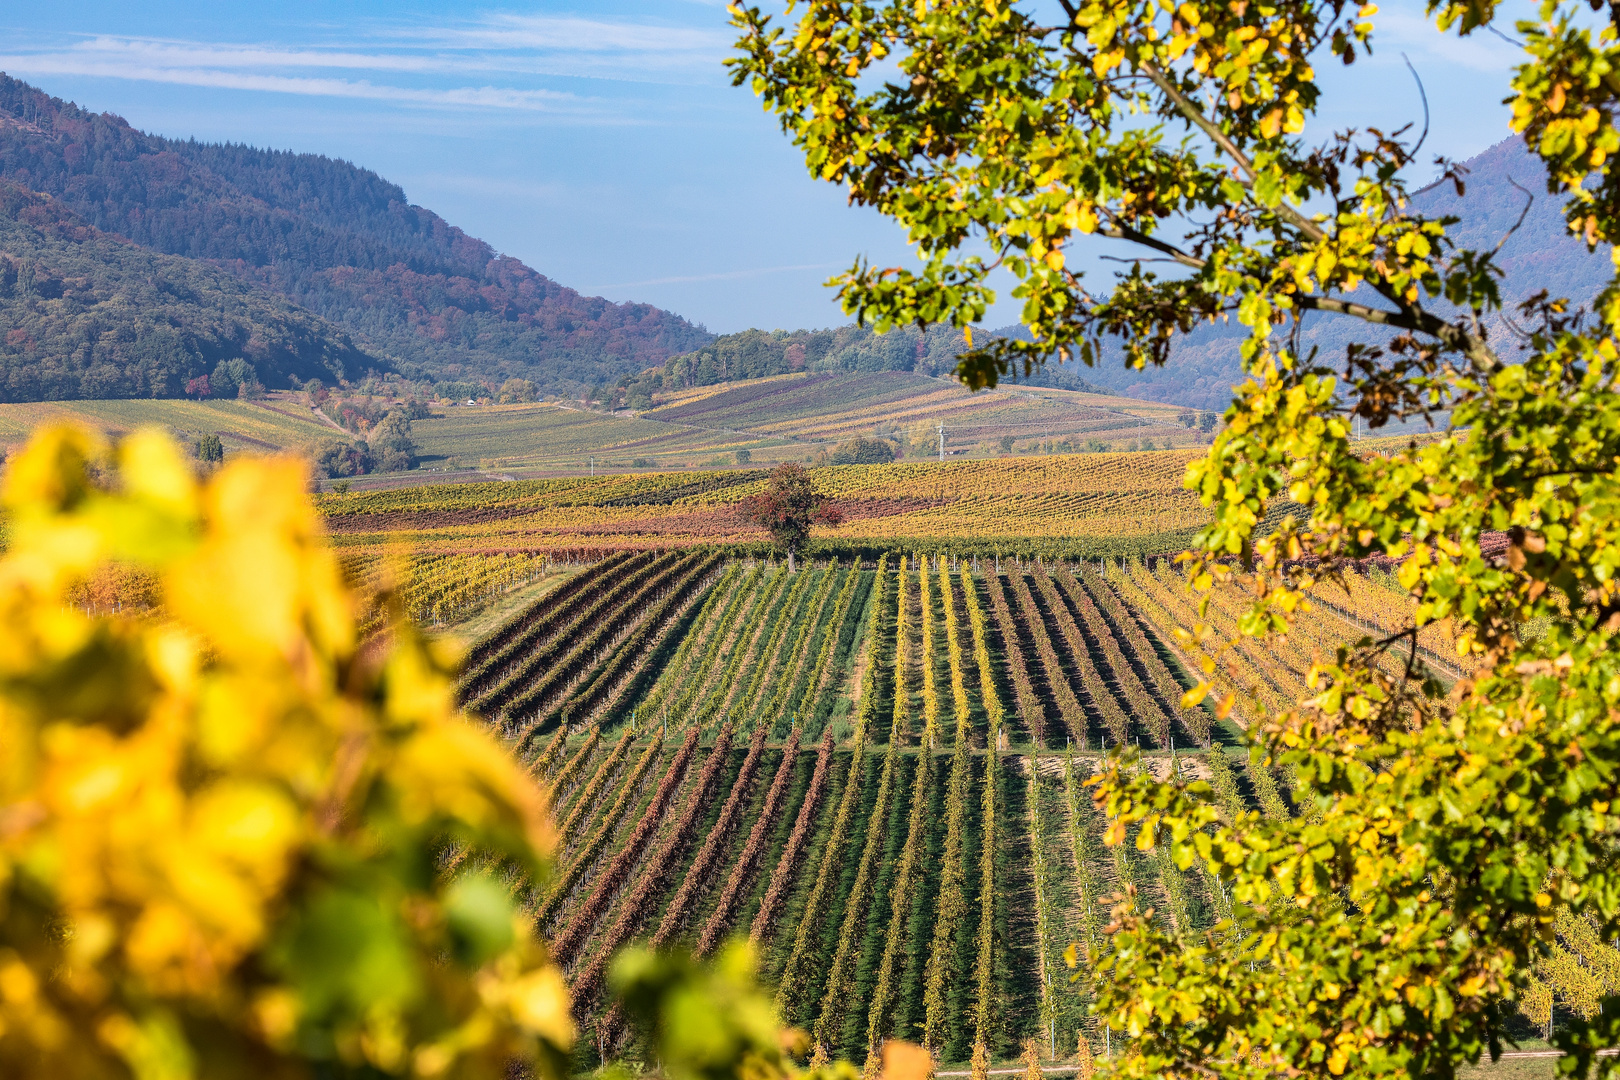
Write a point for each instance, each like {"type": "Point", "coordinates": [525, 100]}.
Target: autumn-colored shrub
{"type": "Point", "coordinates": [219, 825]}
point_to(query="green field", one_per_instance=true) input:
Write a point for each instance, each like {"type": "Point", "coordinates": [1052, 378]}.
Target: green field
{"type": "Point", "coordinates": [877, 769]}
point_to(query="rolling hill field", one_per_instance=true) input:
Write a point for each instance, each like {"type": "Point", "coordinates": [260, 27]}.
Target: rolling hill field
{"type": "Point", "coordinates": [243, 426]}
{"type": "Point", "coordinates": [834, 406]}
{"type": "Point", "coordinates": [787, 418]}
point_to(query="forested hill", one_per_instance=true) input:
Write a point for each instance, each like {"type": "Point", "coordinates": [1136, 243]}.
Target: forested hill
{"type": "Point", "coordinates": [85, 314]}
{"type": "Point", "coordinates": [757, 354]}
{"type": "Point", "coordinates": [336, 239]}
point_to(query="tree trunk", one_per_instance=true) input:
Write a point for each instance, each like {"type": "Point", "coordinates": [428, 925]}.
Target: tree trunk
{"type": "Point", "coordinates": [790, 560]}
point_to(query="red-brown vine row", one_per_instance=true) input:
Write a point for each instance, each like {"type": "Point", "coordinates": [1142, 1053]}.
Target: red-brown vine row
{"type": "Point", "coordinates": [1029, 705]}
{"type": "Point", "coordinates": [564, 946]}
{"type": "Point", "coordinates": [1074, 717]}
{"type": "Point", "coordinates": [743, 871]}
{"type": "Point", "coordinates": [661, 867]}
{"type": "Point", "coordinates": [787, 863]}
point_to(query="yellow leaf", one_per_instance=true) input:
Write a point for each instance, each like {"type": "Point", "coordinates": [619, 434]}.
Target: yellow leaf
{"type": "Point", "coordinates": [906, 1061]}
{"type": "Point", "coordinates": [154, 470]}
{"type": "Point", "coordinates": [1147, 835]}
{"type": "Point", "coordinates": [540, 1003]}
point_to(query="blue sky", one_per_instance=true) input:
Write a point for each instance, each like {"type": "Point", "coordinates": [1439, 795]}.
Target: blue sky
{"type": "Point", "coordinates": [601, 143]}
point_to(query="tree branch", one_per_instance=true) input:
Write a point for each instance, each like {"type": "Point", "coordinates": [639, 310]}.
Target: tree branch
{"type": "Point", "coordinates": [1125, 232]}
{"type": "Point", "coordinates": [1408, 318]}
{"type": "Point", "coordinates": [1194, 114]}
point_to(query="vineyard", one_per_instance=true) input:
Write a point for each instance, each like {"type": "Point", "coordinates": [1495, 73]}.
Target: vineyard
{"type": "Point", "coordinates": [1054, 507]}
{"type": "Point", "coordinates": [790, 418]}
{"type": "Point", "coordinates": [838, 405]}
{"type": "Point", "coordinates": [875, 770]}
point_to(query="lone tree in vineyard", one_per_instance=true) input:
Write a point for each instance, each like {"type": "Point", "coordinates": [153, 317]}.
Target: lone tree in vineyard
{"type": "Point", "coordinates": [788, 507]}
{"type": "Point", "coordinates": [1390, 928]}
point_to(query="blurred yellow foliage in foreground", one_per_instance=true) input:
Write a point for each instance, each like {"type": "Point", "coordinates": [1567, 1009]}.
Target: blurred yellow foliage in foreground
{"type": "Point", "coordinates": [219, 827]}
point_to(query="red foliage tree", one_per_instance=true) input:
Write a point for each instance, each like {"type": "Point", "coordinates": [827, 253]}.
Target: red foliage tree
{"type": "Point", "coordinates": [788, 507]}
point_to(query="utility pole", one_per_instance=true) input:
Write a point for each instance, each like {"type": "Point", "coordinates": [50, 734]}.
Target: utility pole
{"type": "Point", "coordinates": [593, 466]}
{"type": "Point", "coordinates": [942, 441]}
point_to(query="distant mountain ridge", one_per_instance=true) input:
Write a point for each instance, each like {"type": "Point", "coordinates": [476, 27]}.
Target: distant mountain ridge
{"type": "Point", "coordinates": [416, 293]}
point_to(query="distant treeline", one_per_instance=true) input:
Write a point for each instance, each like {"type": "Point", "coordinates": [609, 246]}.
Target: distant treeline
{"type": "Point", "coordinates": [415, 292]}
{"type": "Point", "coordinates": [758, 354]}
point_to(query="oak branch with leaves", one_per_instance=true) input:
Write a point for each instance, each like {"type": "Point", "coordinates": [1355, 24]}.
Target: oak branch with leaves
{"type": "Point", "coordinates": [1390, 927]}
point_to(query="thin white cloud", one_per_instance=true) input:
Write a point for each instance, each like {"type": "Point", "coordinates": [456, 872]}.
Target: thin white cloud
{"type": "Point", "coordinates": [1396, 30]}
{"type": "Point", "coordinates": [155, 52]}
{"type": "Point", "coordinates": [729, 275]}
{"type": "Point", "coordinates": [535, 45]}
{"type": "Point", "coordinates": [518, 50]}
{"type": "Point", "coordinates": [492, 48]}
{"type": "Point", "coordinates": [489, 97]}
{"type": "Point", "coordinates": [571, 34]}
